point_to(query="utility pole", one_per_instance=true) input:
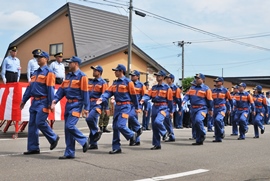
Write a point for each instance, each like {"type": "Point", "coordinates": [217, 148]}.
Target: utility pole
{"type": "Point", "coordinates": [222, 72]}
{"type": "Point", "coordinates": [181, 44]}
{"type": "Point", "coordinates": [129, 38]}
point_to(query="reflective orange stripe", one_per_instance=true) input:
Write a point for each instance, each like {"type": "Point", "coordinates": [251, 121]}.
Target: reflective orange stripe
{"type": "Point", "coordinates": [83, 84]}
{"type": "Point", "coordinates": [50, 80]}
{"type": "Point", "coordinates": [41, 79]}
{"type": "Point", "coordinates": [75, 84]}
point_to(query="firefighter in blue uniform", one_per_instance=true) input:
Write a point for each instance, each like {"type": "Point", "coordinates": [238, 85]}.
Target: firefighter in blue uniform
{"type": "Point", "coordinates": [124, 93]}
{"type": "Point", "coordinates": [260, 103]}
{"type": "Point", "coordinates": [96, 87]}
{"type": "Point", "coordinates": [233, 122]}
{"type": "Point", "coordinates": [201, 101]}
{"type": "Point", "coordinates": [243, 101]}
{"type": "Point", "coordinates": [162, 98]}
{"type": "Point", "coordinates": [176, 101]}
{"type": "Point", "coordinates": [75, 89]}
{"type": "Point", "coordinates": [133, 116]}
{"type": "Point", "coordinates": [41, 88]}
{"type": "Point", "coordinates": [147, 110]}
{"type": "Point", "coordinates": [220, 96]}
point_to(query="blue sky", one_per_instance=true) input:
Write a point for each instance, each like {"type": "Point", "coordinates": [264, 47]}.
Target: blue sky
{"type": "Point", "coordinates": [247, 21]}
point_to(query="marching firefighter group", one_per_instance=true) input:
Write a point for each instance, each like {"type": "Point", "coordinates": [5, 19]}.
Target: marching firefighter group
{"type": "Point", "coordinates": [91, 98]}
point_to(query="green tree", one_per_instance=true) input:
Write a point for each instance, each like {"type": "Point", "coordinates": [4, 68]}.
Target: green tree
{"type": "Point", "coordinates": [186, 83]}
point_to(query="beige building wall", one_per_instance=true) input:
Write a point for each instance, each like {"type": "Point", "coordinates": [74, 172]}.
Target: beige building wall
{"type": "Point", "coordinates": [112, 61]}
{"type": "Point", "coordinates": [42, 39]}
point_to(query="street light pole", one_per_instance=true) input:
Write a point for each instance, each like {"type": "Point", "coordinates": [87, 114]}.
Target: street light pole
{"type": "Point", "coordinates": [181, 44]}
{"type": "Point", "coordinates": [129, 39]}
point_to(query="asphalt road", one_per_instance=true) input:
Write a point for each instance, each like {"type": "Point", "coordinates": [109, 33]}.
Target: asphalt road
{"type": "Point", "coordinates": [232, 159]}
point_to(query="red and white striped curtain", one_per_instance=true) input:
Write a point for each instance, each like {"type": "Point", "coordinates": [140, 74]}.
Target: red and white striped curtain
{"type": "Point", "coordinates": [10, 98]}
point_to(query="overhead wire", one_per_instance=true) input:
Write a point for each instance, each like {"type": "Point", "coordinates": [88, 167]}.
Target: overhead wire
{"type": "Point", "coordinates": [201, 31]}
{"type": "Point", "coordinates": [187, 26]}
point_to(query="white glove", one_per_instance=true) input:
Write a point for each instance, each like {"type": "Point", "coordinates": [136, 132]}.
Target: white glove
{"type": "Point", "coordinates": [29, 80]}
{"type": "Point", "coordinates": [4, 80]}
{"type": "Point", "coordinates": [18, 79]}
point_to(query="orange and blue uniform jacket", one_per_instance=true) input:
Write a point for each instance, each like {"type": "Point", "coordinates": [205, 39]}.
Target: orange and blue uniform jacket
{"type": "Point", "coordinates": [221, 96]}
{"type": "Point", "coordinates": [199, 96]}
{"type": "Point", "coordinates": [140, 91]}
{"type": "Point", "coordinates": [243, 101]}
{"type": "Point", "coordinates": [96, 87]}
{"type": "Point", "coordinates": [41, 85]}
{"type": "Point", "coordinates": [123, 90]}
{"type": "Point", "coordinates": [74, 87]}
{"type": "Point", "coordinates": [161, 94]}
{"type": "Point", "coordinates": [176, 96]}
{"type": "Point", "coordinates": [260, 103]}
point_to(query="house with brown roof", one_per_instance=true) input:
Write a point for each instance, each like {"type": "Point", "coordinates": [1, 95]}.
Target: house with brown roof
{"type": "Point", "coordinates": [98, 37]}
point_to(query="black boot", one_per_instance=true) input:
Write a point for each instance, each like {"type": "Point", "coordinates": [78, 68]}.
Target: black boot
{"type": "Point", "coordinates": [101, 128]}
{"type": "Point", "coordinates": [105, 130]}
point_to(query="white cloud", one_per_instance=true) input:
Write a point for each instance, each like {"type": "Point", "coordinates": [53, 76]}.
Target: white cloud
{"type": "Point", "coordinates": [18, 20]}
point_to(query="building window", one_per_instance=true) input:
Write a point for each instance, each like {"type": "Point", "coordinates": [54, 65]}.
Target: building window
{"type": "Point", "coordinates": [56, 48]}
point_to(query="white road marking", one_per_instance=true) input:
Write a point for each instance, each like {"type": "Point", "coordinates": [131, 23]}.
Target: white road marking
{"type": "Point", "coordinates": [177, 175]}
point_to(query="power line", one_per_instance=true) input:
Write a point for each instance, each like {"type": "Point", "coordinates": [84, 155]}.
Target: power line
{"type": "Point", "coordinates": [240, 38]}
{"type": "Point", "coordinates": [202, 31]}
{"type": "Point", "coordinates": [115, 3]}
{"type": "Point", "coordinates": [102, 3]}
{"type": "Point", "coordinates": [186, 26]}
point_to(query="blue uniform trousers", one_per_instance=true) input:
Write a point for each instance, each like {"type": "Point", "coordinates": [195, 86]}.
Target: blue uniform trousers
{"type": "Point", "coordinates": [146, 119]}
{"type": "Point", "coordinates": [38, 122]}
{"type": "Point", "coordinates": [92, 121]}
{"type": "Point", "coordinates": [169, 126]}
{"type": "Point", "coordinates": [234, 124]}
{"type": "Point", "coordinates": [257, 122]}
{"type": "Point", "coordinates": [241, 119]}
{"type": "Point", "coordinates": [267, 117]}
{"type": "Point", "coordinates": [158, 116]}
{"type": "Point", "coordinates": [210, 122]}
{"type": "Point", "coordinates": [179, 119]}
{"type": "Point", "coordinates": [72, 133]}
{"type": "Point", "coordinates": [219, 114]}
{"type": "Point", "coordinates": [121, 114]}
{"type": "Point", "coordinates": [198, 117]}
{"type": "Point", "coordinates": [133, 121]}
{"type": "Point", "coordinates": [193, 130]}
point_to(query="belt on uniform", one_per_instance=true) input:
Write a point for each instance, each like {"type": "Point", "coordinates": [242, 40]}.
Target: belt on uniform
{"type": "Point", "coordinates": [122, 103]}
{"type": "Point", "coordinates": [11, 72]}
{"type": "Point", "coordinates": [39, 98]}
{"type": "Point", "coordinates": [197, 106]}
{"type": "Point", "coordinates": [220, 105]}
{"type": "Point", "coordinates": [72, 100]}
{"type": "Point", "coordinates": [160, 103]}
{"type": "Point", "coordinates": [241, 109]}
{"type": "Point", "coordinates": [259, 107]}
{"type": "Point", "coordinates": [93, 99]}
